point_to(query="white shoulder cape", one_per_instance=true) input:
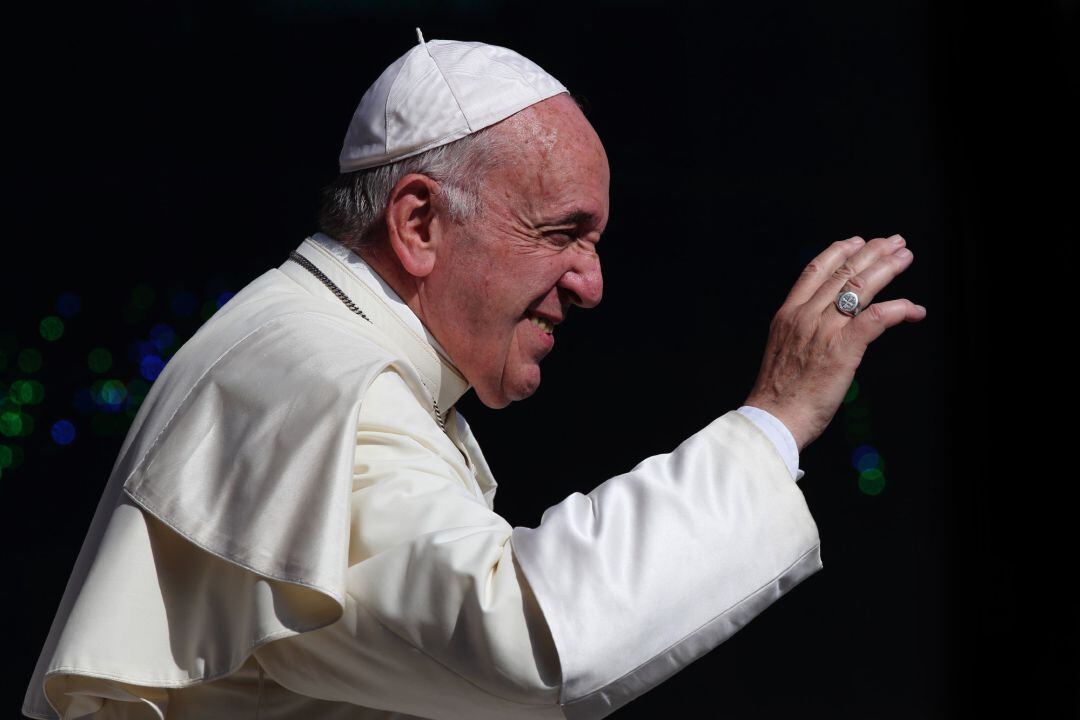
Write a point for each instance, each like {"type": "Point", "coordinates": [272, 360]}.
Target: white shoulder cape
{"type": "Point", "coordinates": [253, 467]}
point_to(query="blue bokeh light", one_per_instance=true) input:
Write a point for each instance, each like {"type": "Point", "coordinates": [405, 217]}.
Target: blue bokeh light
{"type": "Point", "coordinates": [63, 432]}
{"type": "Point", "coordinates": [868, 461]}
{"type": "Point", "coordinates": [68, 304]}
{"type": "Point", "coordinates": [151, 366]}
{"type": "Point", "coordinates": [858, 453]}
{"type": "Point", "coordinates": [162, 336]}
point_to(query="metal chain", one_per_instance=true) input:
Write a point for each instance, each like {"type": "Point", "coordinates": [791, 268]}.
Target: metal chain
{"type": "Point", "coordinates": [310, 267]}
{"type": "Point", "coordinates": [307, 264]}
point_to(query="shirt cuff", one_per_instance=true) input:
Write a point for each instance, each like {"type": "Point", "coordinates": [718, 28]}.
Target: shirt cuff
{"type": "Point", "coordinates": [779, 434]}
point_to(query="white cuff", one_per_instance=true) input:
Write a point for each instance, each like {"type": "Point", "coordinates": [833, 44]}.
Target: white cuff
{"type": "Point", "coordinates": [779, 434]}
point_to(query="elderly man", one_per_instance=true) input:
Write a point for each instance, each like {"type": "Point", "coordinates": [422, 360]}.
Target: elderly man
{"type": "Point", "coordinates": [300, 523]}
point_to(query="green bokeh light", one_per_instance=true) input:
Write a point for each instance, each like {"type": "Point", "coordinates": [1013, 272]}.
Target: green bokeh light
{"type": "Point", "coordinates": [51, 328]}
{"type": "Point", "coordinates": [142, 297]}
{"type": "Point", "coordinates": [852, 392]}
{"type": "Point", "coordinates": [113, 392]}
{"type": "Point", "coordinates": [26, 392]}
{"type": "Point", "coordinates": [11, 423]}
{"type": "Point", "coordinates": [99, 360]}
{"type": "Point", "coordinates": [6, 456]}
{"type": "Point", "coordinates": [872, 481]}
{"type": "Point", "coordinates": [21, 392]}
{"type": "Point", "coordinates": [29, 360]}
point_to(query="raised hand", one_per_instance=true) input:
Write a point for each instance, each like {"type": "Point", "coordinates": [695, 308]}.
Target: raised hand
{"type": "Point", "coordinates": [813, 348]}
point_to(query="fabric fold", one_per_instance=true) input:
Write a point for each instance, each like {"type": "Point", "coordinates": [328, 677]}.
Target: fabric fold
{"type": "Point", "coordinates": [225, 520]}
{"type": "Point", "coordinates": [684, 549]}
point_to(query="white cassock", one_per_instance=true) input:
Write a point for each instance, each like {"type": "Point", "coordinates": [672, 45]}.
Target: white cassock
{"type": "Point", "coordinates": [289, 533]}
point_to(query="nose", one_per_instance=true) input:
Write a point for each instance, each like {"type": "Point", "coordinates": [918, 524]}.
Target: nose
{"type": "Point", "coordinates": [584, 282]}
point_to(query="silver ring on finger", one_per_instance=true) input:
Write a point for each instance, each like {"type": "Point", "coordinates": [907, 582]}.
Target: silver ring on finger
{"type": "Point", "coordinates": [847, 302]}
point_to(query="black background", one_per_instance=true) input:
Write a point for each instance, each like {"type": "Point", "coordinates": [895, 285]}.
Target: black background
{"type": "Point", "coordinates": [182, 146]}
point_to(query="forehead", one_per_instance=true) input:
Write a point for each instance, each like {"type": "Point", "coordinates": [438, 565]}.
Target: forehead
{"type": "Point", "coordinates": [556, 163]}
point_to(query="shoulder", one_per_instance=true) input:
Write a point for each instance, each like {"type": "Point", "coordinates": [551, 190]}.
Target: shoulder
{"type": "Point", "coordinates": [271, 332]}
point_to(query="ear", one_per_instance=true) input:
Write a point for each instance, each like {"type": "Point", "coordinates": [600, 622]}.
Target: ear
{"type": "Point", "coordinates": [414, 224]}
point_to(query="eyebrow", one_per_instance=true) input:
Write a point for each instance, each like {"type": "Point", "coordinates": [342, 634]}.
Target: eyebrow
{"type": "Point", "coordinates": [577, 217]}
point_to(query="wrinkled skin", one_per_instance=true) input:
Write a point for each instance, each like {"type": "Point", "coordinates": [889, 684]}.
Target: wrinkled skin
{"type": "Point", "coordinates": [532, 249]}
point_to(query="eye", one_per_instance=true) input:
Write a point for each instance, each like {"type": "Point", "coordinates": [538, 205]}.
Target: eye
{"type": "Point", "coordinates": [559, 238]}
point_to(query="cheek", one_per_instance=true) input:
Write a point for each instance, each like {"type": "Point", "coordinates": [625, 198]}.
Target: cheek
{"type": "Point", "coordinates": [521, 371]}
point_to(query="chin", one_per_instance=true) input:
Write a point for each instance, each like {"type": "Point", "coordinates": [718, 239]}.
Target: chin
{"type": "Point", "coordinates": [524, 385]}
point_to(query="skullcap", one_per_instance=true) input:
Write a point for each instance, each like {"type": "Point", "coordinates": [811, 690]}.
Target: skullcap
{"type": "Point", "coordinates": [438, 92]}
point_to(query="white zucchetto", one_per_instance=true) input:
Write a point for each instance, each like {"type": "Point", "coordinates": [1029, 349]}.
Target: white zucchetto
{"type": "Point", "coordinates": [438, 92]}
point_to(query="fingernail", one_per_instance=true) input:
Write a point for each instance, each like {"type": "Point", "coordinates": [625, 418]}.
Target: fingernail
{"type": "Point", "coordinates": [897, 239]}
{"type": "Point", "coordinates": [856, 240]}
{"type": "Point", "coordinates": [903, 253]}
{"type": "Point", "coordinates": [921, 308]}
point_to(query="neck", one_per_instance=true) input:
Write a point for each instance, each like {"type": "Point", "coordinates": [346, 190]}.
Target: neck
{"type": "Point", "coordinates": [389, 269]}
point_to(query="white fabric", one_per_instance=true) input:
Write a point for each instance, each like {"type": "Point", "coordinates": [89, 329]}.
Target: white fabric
{"type": "Point", "coordinates": [374, 281]}
{"type": "Point", "coordinates": [438, 92]}
{"type": "Point", "coordinates": [780, 436]}
{"type": "Point", "coordinates": [288, 532]}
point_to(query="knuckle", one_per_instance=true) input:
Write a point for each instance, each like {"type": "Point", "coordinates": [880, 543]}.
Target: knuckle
{"type": "Point", "coordinates": [803, 326]}
{"type": "Point", "coordinates": [855, 282]}
{"type": "Point", "coordinates": [785, 318]}
{"type": "Point", "coordinates": [812, 268]}
{"type": "Point", "coordinates": [844, 272]}
{"type": "Point", "coordinates": [877, 313]}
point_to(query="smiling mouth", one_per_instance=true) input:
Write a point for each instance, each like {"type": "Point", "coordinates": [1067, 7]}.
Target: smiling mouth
{"type": "Point", "coordinates": [541, 323]}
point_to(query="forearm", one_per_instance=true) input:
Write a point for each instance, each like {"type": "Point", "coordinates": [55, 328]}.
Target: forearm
{"type": "Point", "coordinates": [658, 566]}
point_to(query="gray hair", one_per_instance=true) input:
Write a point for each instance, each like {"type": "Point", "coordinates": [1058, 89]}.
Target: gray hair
{"type": "Point", "coordinates": [353, 205]}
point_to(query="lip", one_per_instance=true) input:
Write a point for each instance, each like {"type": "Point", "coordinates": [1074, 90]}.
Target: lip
{"type": "Point", "coordinates": [546, 339]}
{"type": "Point", "coordinates": [553, 319]}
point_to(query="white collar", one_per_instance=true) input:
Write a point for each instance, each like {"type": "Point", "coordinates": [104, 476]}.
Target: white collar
{"type": "Point", "coordinates": [382, 288]}
{"type": "Point", "coordinates": [384, 310]}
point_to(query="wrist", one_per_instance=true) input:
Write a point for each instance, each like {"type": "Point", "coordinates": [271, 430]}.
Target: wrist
{"type": "Point", "coordinates": [790, 420]}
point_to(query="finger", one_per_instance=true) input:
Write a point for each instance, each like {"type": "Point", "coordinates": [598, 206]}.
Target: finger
{"type": "Point", "coordinates": [868, 325]}
{"type": "Point", "coordinates": [868, 283]}
{"type": "Point", "coordinates": [819, 268]}
{"type": "Point", "coordinates": [871, 253]}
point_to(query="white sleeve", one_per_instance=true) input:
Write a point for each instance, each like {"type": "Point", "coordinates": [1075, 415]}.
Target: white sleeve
{"type": "Point", "coordinates": [654, 568]}
{"type": "Point", "coordinates": [779, 434]}
{"type": "Point", "coordinates": [451, 613]}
